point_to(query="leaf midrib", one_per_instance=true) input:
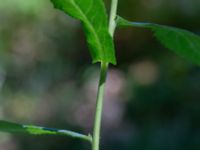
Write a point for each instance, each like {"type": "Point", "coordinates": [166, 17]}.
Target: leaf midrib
{"type": "Point", "coordinates": [89, 25]}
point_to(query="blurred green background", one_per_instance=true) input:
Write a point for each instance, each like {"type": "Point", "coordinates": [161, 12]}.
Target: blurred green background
{"type": "Point", "coordinates": [46, 78]}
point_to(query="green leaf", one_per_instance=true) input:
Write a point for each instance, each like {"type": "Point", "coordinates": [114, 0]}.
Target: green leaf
{"type": "Point", "coordinates": [36, 130]}
{"type": "Point", "coordinates": [182, 42]}
{"type": "Point", "coordinates": [93, 16]}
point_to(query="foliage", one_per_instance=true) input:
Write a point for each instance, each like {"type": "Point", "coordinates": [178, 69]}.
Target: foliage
{"type": "Point", "coordinates": [93, 16]}
{"type": "Point", "coordinates": [101, 46]}
{"type": "Point", "coordinates": [35, 130]}
{"type": "Point", "coordinates": [182, 42]}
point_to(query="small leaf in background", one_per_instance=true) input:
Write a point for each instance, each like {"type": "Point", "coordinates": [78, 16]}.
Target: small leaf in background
{"type": "Point", "coordinates": [93, 16]}
{"type": "Point", "coordinates": [36, 130]}
{"type": "Point", "coordinates": [182, 42]}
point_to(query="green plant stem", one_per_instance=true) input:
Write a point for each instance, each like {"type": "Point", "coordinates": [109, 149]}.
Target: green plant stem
{"type": "Point", "coordinates": [113, 15]}
{"type": "Point", "coordinates": [99, 106]}
{"type": "Point", "coordinates": [102, 82]}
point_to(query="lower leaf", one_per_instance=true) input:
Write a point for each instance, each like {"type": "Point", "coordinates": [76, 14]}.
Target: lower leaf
{"type": "Point", "coordinates": [6, 126]}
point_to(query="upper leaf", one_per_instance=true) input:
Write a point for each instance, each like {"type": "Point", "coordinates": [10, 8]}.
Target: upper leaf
{"type": "Point", "coordinates": [36, 130]}
{"type": "Point", "coordinates": [180, 41]}
{"type": "Point", "coordinates": [93, 16]}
